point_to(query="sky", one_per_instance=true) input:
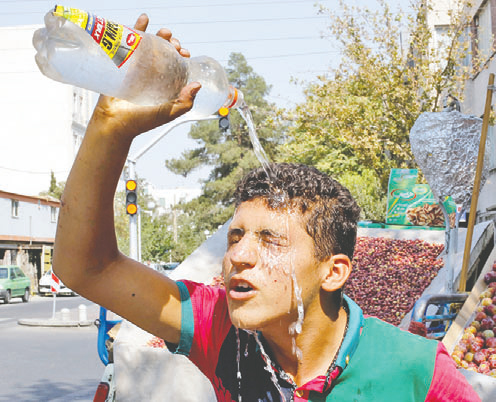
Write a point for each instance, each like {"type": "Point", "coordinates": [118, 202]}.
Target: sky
{"type": "Point", "coordinates": [285, 41]}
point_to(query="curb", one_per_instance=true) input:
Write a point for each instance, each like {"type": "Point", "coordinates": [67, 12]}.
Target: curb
{"type": "Point", "coordinates": [34, 322]}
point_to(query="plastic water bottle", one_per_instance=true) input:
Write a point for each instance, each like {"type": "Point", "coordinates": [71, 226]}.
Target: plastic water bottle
{"type": "Point", "coordinates": [79, 48]}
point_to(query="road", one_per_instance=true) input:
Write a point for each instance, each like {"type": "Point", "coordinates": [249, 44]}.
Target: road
{"type": "Point", "coordinates": [47, 363]}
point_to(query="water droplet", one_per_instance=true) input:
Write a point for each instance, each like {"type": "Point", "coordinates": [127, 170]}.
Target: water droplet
{"type": "Point", "coordinates": [237, 361]}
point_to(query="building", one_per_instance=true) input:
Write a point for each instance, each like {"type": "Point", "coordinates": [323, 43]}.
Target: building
{"type": "Point", "coordinates": [482, 31]}
{"type": "Point", "coordinates": [168, 198]}
{"type": "Point", "coordinates": [42, 122]}
{"type": "Point", "coordinates": [27, 232]}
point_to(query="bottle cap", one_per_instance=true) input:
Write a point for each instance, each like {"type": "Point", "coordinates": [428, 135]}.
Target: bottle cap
{"type": "Point", "coordinates": [233, 97]}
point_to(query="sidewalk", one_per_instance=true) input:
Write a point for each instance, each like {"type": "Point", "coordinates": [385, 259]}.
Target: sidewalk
{"type": "Point", "coordinates": [81, 316]}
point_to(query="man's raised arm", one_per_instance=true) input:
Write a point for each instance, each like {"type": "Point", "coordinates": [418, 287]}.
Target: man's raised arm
{"type": "Point", "coordinates": [86, 257]}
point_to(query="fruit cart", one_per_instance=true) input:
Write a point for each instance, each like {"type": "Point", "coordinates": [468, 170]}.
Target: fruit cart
{"type": "Point", "coordinates": [471, 339]}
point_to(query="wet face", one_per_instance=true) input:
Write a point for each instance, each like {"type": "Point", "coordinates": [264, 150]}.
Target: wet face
{"type": "Point", "coordinates": [265, 249]}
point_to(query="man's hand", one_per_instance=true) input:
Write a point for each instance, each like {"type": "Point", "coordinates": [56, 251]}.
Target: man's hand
{"type": "Point", "coordinates": [131, 120]}
{"type": "Point", "coordinates": [86, 255]}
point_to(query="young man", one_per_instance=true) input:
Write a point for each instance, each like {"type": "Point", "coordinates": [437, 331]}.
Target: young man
{"type": "Point", "coordinates": [282, 328]}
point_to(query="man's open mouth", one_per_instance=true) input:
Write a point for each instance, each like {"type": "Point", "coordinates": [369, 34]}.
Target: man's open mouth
{"type": "Point", "coordinates": [243, 287]}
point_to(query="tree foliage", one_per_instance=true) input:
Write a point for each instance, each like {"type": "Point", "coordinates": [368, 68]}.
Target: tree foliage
{"type": "Point", "coordinates": [229, 154]}
{"type": "Point", "coordinates": [55, 189]}
{"type": "Point", "coordinates": [355, 122]}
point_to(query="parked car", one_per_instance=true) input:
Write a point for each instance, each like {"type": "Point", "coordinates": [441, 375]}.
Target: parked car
{"type": "Point", "coordinates": [45, 285]}
{"type": "Point", "coordinates": [165, 267]}
{"type": "Point", "coordinates": [14, 283]}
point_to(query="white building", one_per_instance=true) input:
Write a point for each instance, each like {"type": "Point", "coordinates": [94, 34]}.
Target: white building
{"type": "Point", "coordinates": [27, 232]}
{"type": "Point", "coordinates": [483, 28]}
{"type": "Point", "coordinates": [41, 121]}
{"type": "Point", "coordinates": [167, 198]}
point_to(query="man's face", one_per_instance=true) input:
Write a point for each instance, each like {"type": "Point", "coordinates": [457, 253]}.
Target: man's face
{"type": "Point", "coordinates": [265, 249]}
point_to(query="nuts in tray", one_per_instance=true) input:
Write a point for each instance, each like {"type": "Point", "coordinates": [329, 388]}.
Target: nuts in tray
{"type": "Point", "coordinates": [428, 215]}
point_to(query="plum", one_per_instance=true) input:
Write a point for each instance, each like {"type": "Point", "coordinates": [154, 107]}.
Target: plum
{"type": "Point", "coordinates": [491, 342]}
{"type": "Point", "coordinates": [480, 316]}
{"type": "Point", "coordinates": [488, 333]}
{"type": "Point", "coordinates": [490, 277]}
{"type": "Point", "coordinates": [479, 357]}
{"type": "Point", "coordinates": [490, 310]}
{"type": "Point", "coordinates": [484, 367]}
{"type": "Point", "coordinates": [492, 361]}
{"type": "Point", "coordinates": [487, 323]}
{"type": "Point", "coordinates": [486, 301]}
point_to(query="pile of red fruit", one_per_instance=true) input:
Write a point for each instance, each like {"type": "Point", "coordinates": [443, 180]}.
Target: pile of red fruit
{"type": "Point", "coordinates": [156, 342]}
{"type": "Point", "coordinates": [476, 349]}
{"type": "Point", "coordinates": [389, 275]}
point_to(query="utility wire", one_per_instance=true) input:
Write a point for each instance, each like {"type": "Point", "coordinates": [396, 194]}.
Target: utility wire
{"type": "Point", "coordinates": [283, 55]}
{"type": "Point", "coordinates": [30, 171]}
{"type": "Point", "coordinates": [204, 5]}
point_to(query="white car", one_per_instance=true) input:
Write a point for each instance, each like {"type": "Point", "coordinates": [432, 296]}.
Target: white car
{"type": "Point", "coordinates": [45, 285]}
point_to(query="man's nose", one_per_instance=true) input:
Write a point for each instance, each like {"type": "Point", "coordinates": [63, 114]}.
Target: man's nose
{"type": "Point", "coordinates": [244, 254]}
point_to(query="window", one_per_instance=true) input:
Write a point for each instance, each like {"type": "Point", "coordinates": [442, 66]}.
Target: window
{"type": "Point", "coordinates": [77, 140]}
{"type": "Point", "coordinates": [53, 214]}
{"type": "Point", "coordinates": [464, 40]}
{"type": "Point", "coordinates": [19, 273]}
{"type": "Point", "coordinates": [442, 39]}
{"type": "Point", "coordinates": [15, 208]}
{"type": "Point", "coordinates": [483, 25]}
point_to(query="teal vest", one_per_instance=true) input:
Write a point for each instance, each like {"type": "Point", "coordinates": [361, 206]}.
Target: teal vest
{"type": "Point", "coordinates": [388, 365]}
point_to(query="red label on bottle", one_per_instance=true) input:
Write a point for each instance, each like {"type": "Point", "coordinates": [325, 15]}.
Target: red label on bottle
{"type": "Point", "coordinates": [131, 38]}
{"type": "Point", "coordinates": [99, 29]}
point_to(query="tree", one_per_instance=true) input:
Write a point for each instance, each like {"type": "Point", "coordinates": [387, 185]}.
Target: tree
{"type": "Point", "coordinates": [355, 123]}
{"type": "Point", "coordinates": [156, 238]}
{"type": "Point", "coordinates": [229, 153]}
{"type": "Point", "coordinates": [56, 188]}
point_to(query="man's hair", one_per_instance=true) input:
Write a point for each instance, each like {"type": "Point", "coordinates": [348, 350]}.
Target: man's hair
{"type": "Point", "coordinates": [329, 211]}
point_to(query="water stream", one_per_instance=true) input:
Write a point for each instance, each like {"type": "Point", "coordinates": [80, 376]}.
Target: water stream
{"type": "Point", "coordinates": [268, 365]}
{"type": "Point", "coordinates": [238, 358]}
{"type": "Point", "coordinates": [269, 262]}
{"type": "Point", "coordinates": [245, 113]}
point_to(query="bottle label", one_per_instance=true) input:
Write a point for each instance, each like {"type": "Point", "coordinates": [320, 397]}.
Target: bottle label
{"type": "Point", "coordinates": [118, 41]}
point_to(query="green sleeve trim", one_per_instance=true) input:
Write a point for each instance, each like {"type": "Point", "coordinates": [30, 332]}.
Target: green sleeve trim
{"type": "Point", "coordinates": [187, 323]}
{"type": "Point", "coordinates": [350, 341]}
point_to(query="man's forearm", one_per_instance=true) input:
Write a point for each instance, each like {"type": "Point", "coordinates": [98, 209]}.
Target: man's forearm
{"type": "Point", "coordinates": [85, 234]}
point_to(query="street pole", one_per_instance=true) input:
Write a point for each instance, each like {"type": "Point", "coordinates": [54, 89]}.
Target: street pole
{"type": "Point", "coordinates": [134, 228]}
{"type": "Point", "coordinates": [138, 214]}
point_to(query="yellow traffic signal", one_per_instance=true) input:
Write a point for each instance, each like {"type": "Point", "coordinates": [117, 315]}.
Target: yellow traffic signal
{"type": "Point", "coordinates": [223, 113]}
{"type": "Point", "coordinates": [131, 197]}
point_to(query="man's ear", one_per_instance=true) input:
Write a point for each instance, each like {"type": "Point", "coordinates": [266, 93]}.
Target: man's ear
{"type": "Point", "coordinates": [338, 269]}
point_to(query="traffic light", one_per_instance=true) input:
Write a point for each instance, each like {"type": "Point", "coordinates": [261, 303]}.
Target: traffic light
{"type": "Point", "coordinates": [223, 118]}
{"type": "Point", "coordinates": [131, 197]}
